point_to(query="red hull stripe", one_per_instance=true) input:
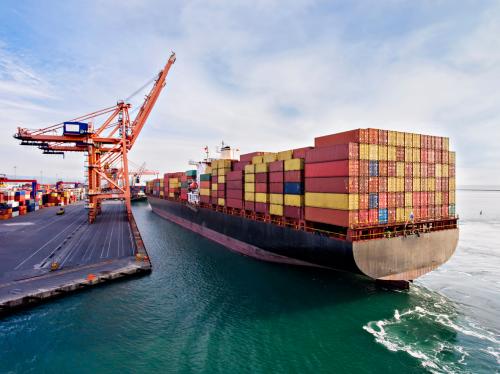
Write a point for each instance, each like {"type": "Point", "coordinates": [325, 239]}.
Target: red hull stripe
{"type": "Point", "coordinates": [231, 243]}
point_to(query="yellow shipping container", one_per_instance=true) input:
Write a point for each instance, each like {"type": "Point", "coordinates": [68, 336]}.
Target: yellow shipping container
{"type": "Point", "coordinates": [223, 171]}
{"type": "Point", "coordinates": [416, 154]}
{"type": "Point", "coordinates": [445, 171]}
{"type": "Point", "coordinates": [416, 184]}
{"type": "Point", "coordinates": [439, 169]}
{"type": "Point", "coordinates": [170, 194]}
{"type": "Point", "coordinates": [408, 213]}
{"type": "Point", "coordinates": [250, 187]}
{"type": "Point", "coordinates": [400, 169]}
{"type": "Point", "coordinates": [208, 170]}
{"type": "Point", "coordinates": [221, 179]}
{"type": "Point", "coordinates": [276, 210]}
{"type": "Point", "coordinates": [214, 172]}
{"type": "Point", "coordinates": [205, 191]}
{"type": "Point", "coordinates": [294, 200]}
{"type": "Point", "coordinates": [431, 184]}
{"type": "Point", "coordinates": [391, 184]}
{"type": "Point", "coordinates": [331, 200]}
{"type": "Point", "coordinates": [257, 159]}
{"type": "Point", "coordinates": [214, 164]}
{"type": "Point", "coordinates": [270, 157]}
{"type": "Point", "coordinates": [220, 201]}
{"type": "Point", "coordinates": [391, 153]}
{"type": "Point", "coordinates": [391, 138]}
{"type": "Point", "coordinates": [400, 139]}
{"type": "Point", "coordinates": [408, 154]}
{"type": "Point", "coordinates": [451, 158]}
{"type": "Point", "coordinates": [382, 152]}
{"type": "Point", "coordinates": [446, 144]}
{"type": "Point", "coordinates": [224, 164]}
{"type": "Point", "coordinates": [400, 214]}
{"type": "Point", "coordinates": [285, 155]}
{"type": "Point", "coordinates": [439, 197]}
{"type": "Point", "coordinates": [416, 169]}
{"type": "Point", "coordinates": [261, 168]}
{"type": "Point", "coordinates": [249, 196]}
{"type": "Point", "coordinates": [373, 152]}
{"type": "Point", "coordinates": [400, 184]}
{"type": "Point", "coordinates": [214, 186]}
{"type": "Point", "coordinates": [261, 197]}
{"type": "Point", "coordinates": [364, 151]}
{"type": "Point", "coordinates": [276, 199]}
{"type": "Point", "coordinates": [250, 178]}
{"type": "Point", "coordinates": [423, 185]}
{"type": "Point", "coordinates": [408, 139]}
{"type": "Point", "coordinates": [161, 193]}
{"type": "Point", "coordinates": [408, 199]}
{"type": "Point", "coordinates": [451, 184]}
{"type": "Point", "coordinates": [294, 164]}
{"type": "Point", "coordinates": [451, 197]}
{"type": "Point", "coordinates": [416, 141]}
{"type": "Point", "coordinates": [249, 169]}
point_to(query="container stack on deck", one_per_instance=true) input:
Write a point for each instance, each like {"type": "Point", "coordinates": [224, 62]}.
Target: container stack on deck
{"type": "Point", "coordinates": [355, 179]}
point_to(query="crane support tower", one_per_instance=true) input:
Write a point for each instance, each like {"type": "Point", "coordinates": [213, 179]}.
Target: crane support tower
{"type": "Point", "coordinates": [105, 136]}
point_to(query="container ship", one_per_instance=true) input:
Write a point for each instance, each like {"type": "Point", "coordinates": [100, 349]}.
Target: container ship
{"type": "Point", "coordinates": [373, 202]}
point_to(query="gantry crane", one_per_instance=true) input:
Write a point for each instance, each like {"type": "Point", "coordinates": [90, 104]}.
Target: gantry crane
{"type": "Point", "coordinates": [106, 144]}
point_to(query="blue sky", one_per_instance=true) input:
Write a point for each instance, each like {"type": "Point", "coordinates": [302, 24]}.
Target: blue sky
{"type": "Point", "coordinates": [261, 75]}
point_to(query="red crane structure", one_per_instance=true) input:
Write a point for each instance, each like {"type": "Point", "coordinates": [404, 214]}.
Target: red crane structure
{"type": "Point", "coordinates": [106, 136]}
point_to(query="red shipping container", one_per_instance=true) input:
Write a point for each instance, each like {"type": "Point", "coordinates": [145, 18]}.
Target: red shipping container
{"type": "Point", "coordinates": [353, 136]}
{"type": "Point", "coordinates": [183, 178]}
{"type": "Point", "coordinates": [213, 194]}
{"type": "Point", "coordinates": [234, 203]}
{"type": "Point", "coordinates": [437, 157]}
{"type": "Point", "coordinates": [240, 165]}
{"type": "Point", "coordinates": [408, 184]}
{"type": "Point", "coordinates": [221, 194]}
{"type": "Point", "coordinates": [205, 184]}
{"type": "Point", "coordinates": [400, 199]}
{"type": "Point", "coordinates": [423, 170]}
{"type": "Point", "coordinates": [451, 170]}
{"type": "Point", "coordinates": [391, 200]}
{"type": "Point", "coordinates": [364, 168]}
{"type": "Point", "coordinates": [332, 185]}
{"type": "Point", "coordinates": [400, 153]}
{"type": "Point", "coordinates": [373, 216]}
{"type": "Point", "coordinates": [439, 143]}
{"type": "Point", "coordinates": [446, 198]}
{"type": "Point", "coordinates": [205, 199]}
{"type": "Point", "coordinates": [416, 196]}
{"type": "Point", "coordinates": [275, 187]}
{"type": "Point", "coordinates": [431, 170]}
{"type": "Point", "coordinates": [234, 185]}
{"type": "Point", "coordinates": [431, 159]}
{"type": "Point", "coordinates": [363, 185]}
{"type": "Point", "coordinates": [215, 179]}
{"type": "Point", "coordinates": [276, 166]}
{"type": "Point", "coordinates": [423, 155]}
{"type": "Point", "coordinates": [293, 176]}
{"type": "Point", "coordinates": [383, 136]}
{"type": "Point", "coordinates": [363, 217]}
{"type": "Point", "coordinates": [234, 175]}
{"type": "Point", "coordinates": [416, 212]}
{"type": "Point", "coordinates": [261, 187]}
{"type": "Point", "coordinates": [424, 212]}
{"type": "Point", "coordinates": [444, 211]}
{"type": "Point", "coordinates": [445, 157]}
{"type": "Point", "coordinates": [445, 184]}
{"type": "Point", "coordinates": [431, 198]}
{"type": "Point", "coordinates": [438, 184]}
{"type": "Point", "coordinates": [391, 168]}
{"type": "Point", "coordinates": [372, 184]}
{"type": "Point", "coordinates": [391, 215]}
{"type": "Point", "coordinates": [261, 178]}
{"type": "Point", "coordinates": [300, 152]}
{"type": "Point", "coordinates": [276, 177]}
{"type": "Point", "coordinates": [408, 169]}
{"type": "Point", "coordinates": [247, 157]}
{"type": "Point", "coordinates": [335, 217]}
{"type": "Point", "coordinates": [249, 205]}
{"type": "Point", "coordinates": [424, 198]}
{"type": "Point", "coordinates": [373, 136]}
{"type": "Point", "coordinates": [234, 194]}
{"type": "Point", "coordinates": [382, 200]}
{"type": "Point", "coordinates": [363, 201]}
{"type": "Point", "coordinates": [333, 153]}
{"type": "Point", "coordinates": [262, 208]}
{"type": "Point", "coordinates": [382, 168]}
{"type": "Point", "coordinates": [292, 212]}
{"type": "Point", "coordinates": [332, 169]}
{"type": "Point", "coordinates": [382, 184]}
{"type": "Point", "coordinates": [221, 187]}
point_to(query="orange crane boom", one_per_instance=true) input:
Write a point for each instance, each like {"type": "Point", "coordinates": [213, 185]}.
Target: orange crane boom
{"type": "Point", "coordinates": [106, 145]}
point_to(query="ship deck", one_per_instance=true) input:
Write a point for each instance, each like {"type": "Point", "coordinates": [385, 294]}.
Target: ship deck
{"type": "Point", "coordinates": [31, 243]}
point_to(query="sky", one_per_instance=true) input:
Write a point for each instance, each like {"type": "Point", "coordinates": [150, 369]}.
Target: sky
{"type": "Point", "coordinates": [258, 75]}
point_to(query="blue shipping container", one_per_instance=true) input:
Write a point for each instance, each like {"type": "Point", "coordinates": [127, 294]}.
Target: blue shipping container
{"type": "Point", "coordinates": [373, 168]}
{"type": "Point", "coordinates": [373, 200]}
{"type": "Point", "coordinates": [294, 188]}
{"type": "Point", "coordinates": [383, 215]}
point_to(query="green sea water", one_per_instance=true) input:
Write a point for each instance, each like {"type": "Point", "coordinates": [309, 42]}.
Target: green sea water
{"type": "Point", "coordinates": [205, 309]}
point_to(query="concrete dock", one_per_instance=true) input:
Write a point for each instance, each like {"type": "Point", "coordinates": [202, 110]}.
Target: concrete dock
{"type": "Point", "coordinates": [29, 245]}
